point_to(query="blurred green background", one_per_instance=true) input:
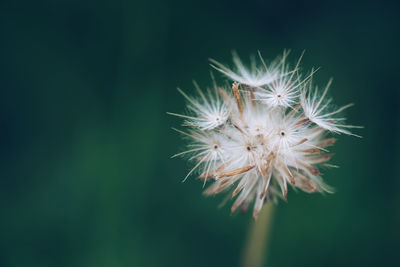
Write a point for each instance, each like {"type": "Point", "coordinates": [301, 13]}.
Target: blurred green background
{"type": "Point", "coordinates": [86, 177]}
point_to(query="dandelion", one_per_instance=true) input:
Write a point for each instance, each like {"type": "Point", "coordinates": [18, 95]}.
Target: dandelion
{"type": "Point", "coordinates": [267, 132]}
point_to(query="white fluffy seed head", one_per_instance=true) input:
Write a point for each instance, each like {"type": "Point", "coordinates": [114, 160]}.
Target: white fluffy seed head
{"type": "Point", "coordinates": [269, 130]}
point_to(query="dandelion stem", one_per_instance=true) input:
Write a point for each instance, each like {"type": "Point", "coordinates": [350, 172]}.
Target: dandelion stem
{"type": "Point", "coordinates": [257, 240]}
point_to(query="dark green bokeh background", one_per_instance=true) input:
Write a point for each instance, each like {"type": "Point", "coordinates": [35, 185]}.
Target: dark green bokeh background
{"type": "Point", "coordinates": [85, 174]}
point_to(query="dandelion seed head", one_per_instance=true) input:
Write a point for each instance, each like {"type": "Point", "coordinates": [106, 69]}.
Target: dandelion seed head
{"type": "Point", "coordinates": [268, 131]}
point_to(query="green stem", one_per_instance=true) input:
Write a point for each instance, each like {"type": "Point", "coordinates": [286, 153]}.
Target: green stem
{"type": "Point", "coordinates": [256, 245]}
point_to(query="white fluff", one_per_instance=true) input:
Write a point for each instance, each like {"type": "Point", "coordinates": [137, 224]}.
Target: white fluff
{"type": "Point", "coordinates": [268, 130]}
